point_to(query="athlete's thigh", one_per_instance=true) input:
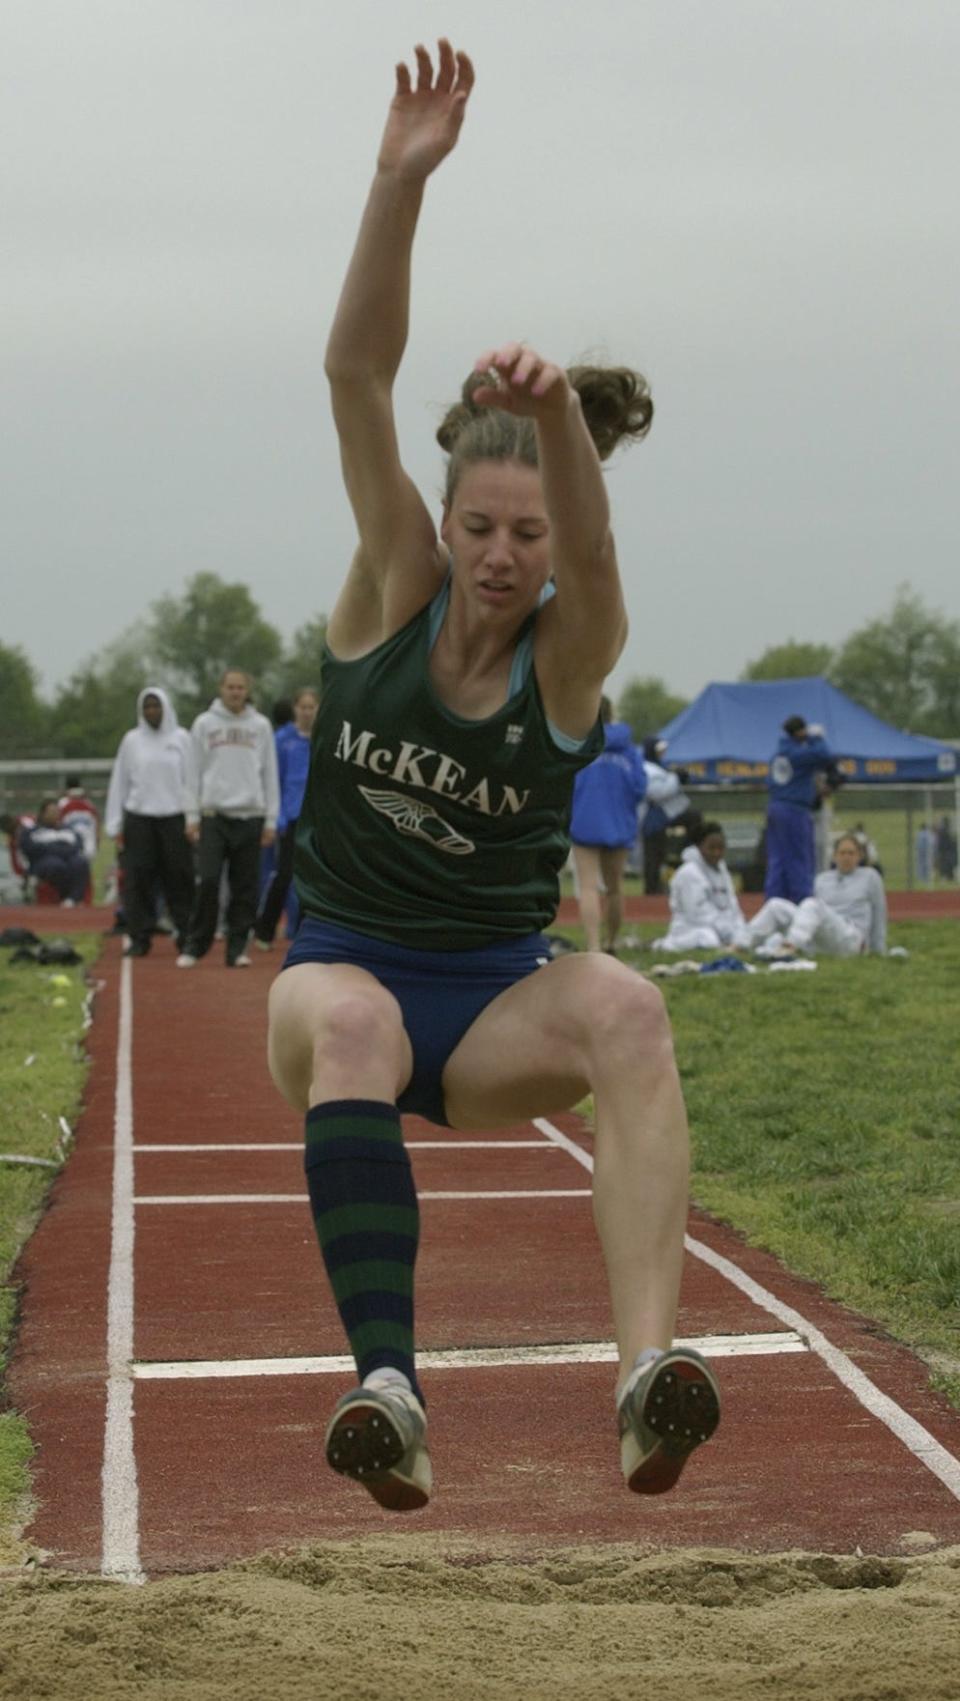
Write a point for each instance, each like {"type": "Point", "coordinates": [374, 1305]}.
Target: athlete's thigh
{"type": "Point", "coordinates": [302, 1001]}
{"type": "Point", "coordinates": [527, 1053]}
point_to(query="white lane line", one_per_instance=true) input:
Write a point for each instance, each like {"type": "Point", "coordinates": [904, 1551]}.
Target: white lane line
{"type": "Point", "coordinates": [120, 1548]}
{"type": "Point", "coordinates": [461, 1358]}
{"type": "Point", "coordinates": [914, 1437]}
{"type": "Point", "coordinates": [297, 1146]}
{"type": "Point", "coordinates": [301, 1198]}
{"type": "Point", "coordinates": [918, 1440]}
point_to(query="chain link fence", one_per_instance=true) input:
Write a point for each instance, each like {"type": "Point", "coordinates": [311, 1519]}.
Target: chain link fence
{"type": "Point", "coordinates": [890, 816]}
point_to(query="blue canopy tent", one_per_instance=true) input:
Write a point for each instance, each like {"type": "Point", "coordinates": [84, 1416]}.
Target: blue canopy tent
{"type": "Point", "coordinates": [728, 734]}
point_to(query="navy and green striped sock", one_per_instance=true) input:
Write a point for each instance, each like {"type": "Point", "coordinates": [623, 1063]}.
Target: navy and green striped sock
{"type": "Point", "coordinates": [367, 1219]}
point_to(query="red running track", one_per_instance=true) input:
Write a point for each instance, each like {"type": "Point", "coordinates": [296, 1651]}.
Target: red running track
{"type": "Point", "coordinates": [170, 1359]}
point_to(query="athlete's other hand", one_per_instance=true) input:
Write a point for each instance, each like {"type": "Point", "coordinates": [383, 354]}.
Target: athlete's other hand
{"type": "Point", "coordinates": [192, 832]}
{"type": "Point", "coordinates": [267, 836]}
{"type": "Point", "coordinates": [424, 122]}
{"type": "Point", "coordinates": [521, 381]}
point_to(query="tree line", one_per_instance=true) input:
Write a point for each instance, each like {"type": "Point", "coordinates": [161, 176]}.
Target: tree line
{"type": "Point", "coordinates": [904, 666]}
{"type": "Point", "coordinates": [184, 644]}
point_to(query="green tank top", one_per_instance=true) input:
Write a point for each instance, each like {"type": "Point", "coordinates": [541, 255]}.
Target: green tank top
{"type": "Point", "coordinates": [421, 827]}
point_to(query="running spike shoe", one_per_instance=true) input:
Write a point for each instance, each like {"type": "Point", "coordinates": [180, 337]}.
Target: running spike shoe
{"type": "Point", "coordinates": [379, 1438]}
{"type": "Point", "coordinates": [668, 1406]}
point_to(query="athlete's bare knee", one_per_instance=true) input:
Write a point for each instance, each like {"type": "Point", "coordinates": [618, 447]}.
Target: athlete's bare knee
{"type": "Point", "coordinates": [628, 1019]}
{"type": "Point", "coordinates": [360, 1022]}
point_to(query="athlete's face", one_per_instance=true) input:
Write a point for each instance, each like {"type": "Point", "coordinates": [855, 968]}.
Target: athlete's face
{"type": "Point", "coordinates": [496, 529]}
{"type": "Point", "coordinates": [152, 711]}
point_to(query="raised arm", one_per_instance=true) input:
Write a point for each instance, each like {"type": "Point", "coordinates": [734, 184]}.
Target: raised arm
{"type": "Point", "coordinates": [368, 338]}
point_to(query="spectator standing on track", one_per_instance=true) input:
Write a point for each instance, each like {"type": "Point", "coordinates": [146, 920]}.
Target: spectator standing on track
{"type": "Point", "coordinates": [846, 916]}
{"type": "Point", "coordinates": [665, 805]}
{"type": "Point", "coordinates": [145, 814]}
{"type": "Point", "coordinates": [281, 714]}
{"type": "Point", "coordinates": [54, 854]}
{"type": "Point", "coordinates": [79, 811]}
{"type": "Point", "coordinates": [603, 826]}
{"type": "Point", "coordinates": [232, 801]}
{"type": "Point", "coordinates": [293, 764]}
{"type": "Point", "coordinates": [459, 699]}
{"type": "Point", "coordinates": [800, 757]}
{"type": "Point", "coordinates": [704, 907]}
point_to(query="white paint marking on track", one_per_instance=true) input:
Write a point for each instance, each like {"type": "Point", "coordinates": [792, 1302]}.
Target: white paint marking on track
{"type": "Point", "coordinates": [120, 1546]}
{"type": "Point", "coordinates": [924, 1446]}
{"type": "Point", "coordinates": [297, 1146]}
{"type": "Point", "coordinates": [301, 1198]}
{"type": "Point", "coordinates": [918, 1440]}
{"type": "Point", "coordinates": [462, 1358]}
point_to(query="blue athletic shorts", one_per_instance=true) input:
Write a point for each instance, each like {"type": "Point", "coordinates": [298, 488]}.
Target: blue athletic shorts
{"type": "Point", "coordinates": [440, 993]}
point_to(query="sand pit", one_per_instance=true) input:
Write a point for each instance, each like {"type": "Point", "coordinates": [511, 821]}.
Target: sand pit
{"type": "Point", "coordinates": [408, 1615]}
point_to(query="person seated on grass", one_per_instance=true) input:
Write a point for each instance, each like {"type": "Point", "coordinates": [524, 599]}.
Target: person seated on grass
{"type": "Point", "coordinates": [54, 854]}
{"type": "Point", "coordinates": [704, 908]}
{"type": "Point", "coordinates": [846, 917]}
{"type": "Point", "coordinates": [75, 809]}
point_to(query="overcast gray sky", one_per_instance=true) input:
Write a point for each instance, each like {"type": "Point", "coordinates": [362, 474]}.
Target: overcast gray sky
{"type": "Point", "coordinates": [754, 201]}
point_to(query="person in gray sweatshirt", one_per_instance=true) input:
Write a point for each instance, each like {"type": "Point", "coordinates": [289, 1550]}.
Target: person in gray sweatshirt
{"type": "Point", "coordinates": [233, 795]}
{"type": "Point", "coordinates": [846, 916]}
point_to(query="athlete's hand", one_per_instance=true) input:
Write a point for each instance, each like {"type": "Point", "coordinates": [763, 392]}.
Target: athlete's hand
{"type": "Point", "coordinates": [521, 381]}
{"type": "Point", "coordinates": [424, 122]}
{"type": "Point", "coordinates": [267, 836]}
{"type": "Point", "coordinates": [192, 832]}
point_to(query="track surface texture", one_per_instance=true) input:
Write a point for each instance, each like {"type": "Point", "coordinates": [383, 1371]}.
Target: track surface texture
{"type": "Point", "coordinates": [178, 1352]}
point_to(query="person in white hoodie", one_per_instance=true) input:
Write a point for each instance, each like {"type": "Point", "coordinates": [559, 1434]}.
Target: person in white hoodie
{"type": "Point", "coordinates": [704, 908]}
{"type": "Point", "coordinates": [145, 814]}
{"type": "Point", "coordinates": [233, 794]}
{"type": "Point", "coordinates": [846, 916]}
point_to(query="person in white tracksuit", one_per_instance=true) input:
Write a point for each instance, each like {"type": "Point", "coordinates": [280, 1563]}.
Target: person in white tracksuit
{"type": "Point", "coordinates": [846, 917]}
{"type": "Point", "coordinates": [704, 908]}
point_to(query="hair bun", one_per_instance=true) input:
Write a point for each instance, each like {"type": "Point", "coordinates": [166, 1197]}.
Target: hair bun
{"type": "Point", "coordinates": [457, 418]}
{"type": "Point", "coordinates": [616, 404]}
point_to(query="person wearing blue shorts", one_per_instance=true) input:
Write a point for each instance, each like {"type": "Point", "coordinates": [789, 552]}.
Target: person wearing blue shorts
{"type": "Point", "coordinates": [460, 695]}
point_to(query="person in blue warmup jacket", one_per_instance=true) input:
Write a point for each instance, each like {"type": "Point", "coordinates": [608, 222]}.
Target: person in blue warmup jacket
{"type": "Point", "coordinates": [801, 756]}
{"type": "Point", "coordinates": [293, 765]}
{"type": "Point", "coordinates": [603, 826]}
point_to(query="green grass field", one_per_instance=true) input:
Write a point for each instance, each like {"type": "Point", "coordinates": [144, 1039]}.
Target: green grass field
{"type": "Point", "coordinates": [825, 1120]}
{"type": "Point", "coordinates": [824, 1109]}
{"type": "Point", "coordinates": [42, 1073]}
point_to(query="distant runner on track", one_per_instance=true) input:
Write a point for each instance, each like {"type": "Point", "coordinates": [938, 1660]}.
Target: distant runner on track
{"type": "Point", "coordinates": [460, 698]}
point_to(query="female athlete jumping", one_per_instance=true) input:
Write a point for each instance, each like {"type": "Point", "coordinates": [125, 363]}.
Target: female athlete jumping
{"type": "Point", "coordinates": [460, 698]}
